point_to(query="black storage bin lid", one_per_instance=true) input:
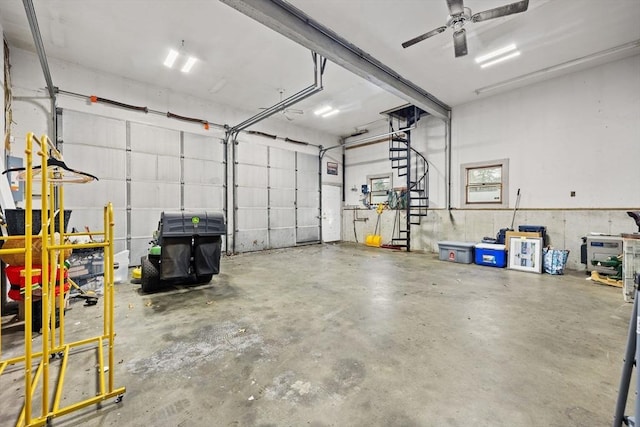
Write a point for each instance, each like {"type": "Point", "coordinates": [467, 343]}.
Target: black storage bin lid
{"type": "Point", "coordinates": [179, 224]}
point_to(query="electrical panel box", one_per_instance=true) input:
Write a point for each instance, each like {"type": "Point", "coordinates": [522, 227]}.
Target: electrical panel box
{"type": "Point", "coordinates": [600, 248]}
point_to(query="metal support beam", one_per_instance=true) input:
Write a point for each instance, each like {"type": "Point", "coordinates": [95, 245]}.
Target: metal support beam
{"type": "Point", "coordinates": [37, 40]}
{"type": "Point", "coordinates": [294, 24]}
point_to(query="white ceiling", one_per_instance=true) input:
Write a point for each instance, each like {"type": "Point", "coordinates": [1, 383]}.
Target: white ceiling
{"type": "Point", "coordinates": [244, 64]}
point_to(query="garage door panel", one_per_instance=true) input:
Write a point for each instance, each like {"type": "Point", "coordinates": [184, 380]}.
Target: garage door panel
{"type": "Point", "coordinates": [252, 154]}
{"type": "Point", "coordinates": [153, 167]}
{"type": "Point", "coordinates": [252, 176]}
{"type": "Point", "coordinates": [308, 200]}
{"type": "Point", "coordinates": [279, 218]}
{"type": "Point", "coordinates": [307, 181]}
{"type": "Point", "coordinates": [253, 240]}
{"type": "Point", "coordinates": [203, 172]}
{"type": "Point", "coordinates": [283, 159]}
{"type": "Point", "coordinates": [96, 193]}
{"type": "Point", "coordinates": [282, 178]}
{"type": "Point", "coordinates": [101, 162]}
{"type": "Point", "coordinates": [143, 166]}
{"type": "Point", "coordinates": [307, 162]}
{"type": "Point", "coordinates": [252, 219]}
{"type": "Point", "coordinates": [155, 195]}
{"type": "Point", "coordinates": [282, 238]}
{"type": "Point", "coordinates": [88, 129]}
{"type": "Point", "coordinates": [94, 219]}
{"type": "Point", "coordinates": [139, 248]}
{"type": "Point", "coordinates": [152, 139]}
{"type": "Point", "coordinates": [282, 198]}
{"type": "Point", "coordinates": [205, 197]}
{"type": "Point", "coordinates": [168, 169]}
{"type": "Point", "coordinates": [252, 197]}
{"type": "Point", "coordinates": [144, 222]}
{"type": "Point", "coordinates": [307, 217]}
{"type": "Point", "coordinates": [307, 234]}
{"type": "Point", "coordinates": [203, 147]}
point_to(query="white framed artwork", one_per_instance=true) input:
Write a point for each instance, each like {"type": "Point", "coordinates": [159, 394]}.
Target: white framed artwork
{"type": "Point", "coordinates": [525, 254]}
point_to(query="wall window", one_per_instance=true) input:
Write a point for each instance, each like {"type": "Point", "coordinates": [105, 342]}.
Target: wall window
{"type": "Point", "coordinates": [485, 183]}
{"type": "Point", "coordinates": [379, 187]}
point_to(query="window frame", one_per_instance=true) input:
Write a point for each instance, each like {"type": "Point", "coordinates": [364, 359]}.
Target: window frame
{"type": "Point", "coordinates": [370, 179]}
{"type": "Point", "coordinates": [503, 164]}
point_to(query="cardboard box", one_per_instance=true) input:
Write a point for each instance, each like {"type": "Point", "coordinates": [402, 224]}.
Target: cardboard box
{"type": "Point", "coordinates": [524, 234]}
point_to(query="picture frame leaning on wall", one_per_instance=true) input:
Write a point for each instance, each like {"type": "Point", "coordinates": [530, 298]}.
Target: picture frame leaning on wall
{"type": "Point", "coordinates": [525, 254]}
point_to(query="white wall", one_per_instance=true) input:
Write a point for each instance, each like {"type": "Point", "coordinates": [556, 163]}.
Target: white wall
{"type": "Point", "coordinates": [578, 132]}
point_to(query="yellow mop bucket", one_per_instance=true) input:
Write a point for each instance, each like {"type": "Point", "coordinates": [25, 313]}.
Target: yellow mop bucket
{"type": "Point", "coordinates": [375, 239]}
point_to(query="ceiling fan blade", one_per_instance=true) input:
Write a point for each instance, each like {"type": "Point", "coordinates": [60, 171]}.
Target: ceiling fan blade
{"type": "Point", "coordinates": [460, 42]}
{"type": "Point", "coordinates": [456, 7]}
{"type": "Point", "coordinates": [508, 9]}
{"type": "Point", "coordinates": [423, 37]}
{"type": "Point", "coordinates": [294, 111]}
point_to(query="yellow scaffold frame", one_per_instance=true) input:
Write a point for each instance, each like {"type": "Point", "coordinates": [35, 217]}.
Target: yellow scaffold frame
{"type": "Point", "coordinates": [53, 345]}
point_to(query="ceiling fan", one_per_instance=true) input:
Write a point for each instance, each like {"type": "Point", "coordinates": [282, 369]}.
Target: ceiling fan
{"type": "Point", "coordinates": [459, 15]}
{"type": "Point", "coordinates": [286, 112]}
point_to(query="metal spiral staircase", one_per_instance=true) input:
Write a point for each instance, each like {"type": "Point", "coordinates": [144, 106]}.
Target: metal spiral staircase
{"type": "Point", "coordinates": [412, 165]}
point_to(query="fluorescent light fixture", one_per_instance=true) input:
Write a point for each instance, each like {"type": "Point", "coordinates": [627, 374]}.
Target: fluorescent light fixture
{"type": "Point", "coordinates": [495, 53]}
{"type": "Point", "coordinates": [171, 58]}
{"type": "Point", "coordinates": [331, 113]}
{"type": "Point", "coordinates": [562, 66]}
{"type": "Point", "coordinates": [502, 58]}
{"type": "Point", "coordinates": [323, 110]}
{"type": "Point", "coordinates": [189, 64]}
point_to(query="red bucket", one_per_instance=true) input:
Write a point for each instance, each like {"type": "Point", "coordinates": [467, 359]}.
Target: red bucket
{"type": "Point", "coordinates": [16, 278]}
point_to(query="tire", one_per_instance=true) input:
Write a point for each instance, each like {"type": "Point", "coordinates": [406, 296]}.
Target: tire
{"type": "Point", "coordinates": [204, 278]}
{"type": "Point", "coordinates": [150, 276]}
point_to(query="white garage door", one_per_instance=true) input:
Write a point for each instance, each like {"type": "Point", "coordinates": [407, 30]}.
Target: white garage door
{"type": "Point", "coordinates": [147, 168]}
{"type": "Point", "coordinates": [155, 181]}
{"type": "Point", "coordinates": [277, 198]}
{"type": "Point", "coordinates": [307, 198]}
{"type": "Point", "coordinates": [251, 197]}
{"type": "Point", "coordinates": [96, 145]}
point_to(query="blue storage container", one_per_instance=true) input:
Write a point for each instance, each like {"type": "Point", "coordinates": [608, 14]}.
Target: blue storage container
{"type": "Point", "coordinates": [491, 254]}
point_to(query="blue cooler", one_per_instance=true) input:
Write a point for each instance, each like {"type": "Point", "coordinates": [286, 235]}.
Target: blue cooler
{"type": "Point", "coordinates": [491, 254]}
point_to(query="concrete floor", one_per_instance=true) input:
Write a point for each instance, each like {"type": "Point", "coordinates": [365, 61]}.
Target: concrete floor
{"type": "Point", "coordinates": [345, 335]}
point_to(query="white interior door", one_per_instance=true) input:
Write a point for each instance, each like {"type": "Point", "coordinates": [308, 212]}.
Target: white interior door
{"type": "Point", "coordinates": [331, 210]}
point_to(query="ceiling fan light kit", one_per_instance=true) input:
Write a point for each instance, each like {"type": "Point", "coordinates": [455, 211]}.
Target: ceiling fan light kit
{"type": "Point", "coordinates": [459, 15]}
{"type": "Point", "coordinates": [286, 111]}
